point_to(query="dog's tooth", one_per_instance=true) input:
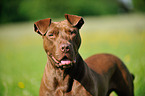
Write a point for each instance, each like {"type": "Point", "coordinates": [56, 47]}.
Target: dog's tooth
{"type": "Point", "coordinates": [60, 64]}
{"type": "Point", "coordinates": [65, 62]}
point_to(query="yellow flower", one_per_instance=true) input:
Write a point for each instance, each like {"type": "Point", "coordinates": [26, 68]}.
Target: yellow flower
{"type": "Point", "coordinates": [21, 84]}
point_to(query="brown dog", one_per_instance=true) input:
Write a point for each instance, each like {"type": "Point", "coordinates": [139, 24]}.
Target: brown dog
{"type": "Point", "coordinates": [66, 74]}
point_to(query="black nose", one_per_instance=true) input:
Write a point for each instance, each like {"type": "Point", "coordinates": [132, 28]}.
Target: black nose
{"type": "Point", "coordinates": [65, 47]}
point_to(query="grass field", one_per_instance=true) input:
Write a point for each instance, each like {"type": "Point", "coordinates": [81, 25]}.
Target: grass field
{"type": "Point", "coordinates": [22, 58]}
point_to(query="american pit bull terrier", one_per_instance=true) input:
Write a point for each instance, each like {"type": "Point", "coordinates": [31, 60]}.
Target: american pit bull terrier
{"type": "Point", "coordinates": [66, 74]}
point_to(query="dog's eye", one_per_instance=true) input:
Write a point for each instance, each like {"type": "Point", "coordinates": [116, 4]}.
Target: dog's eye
{"type": "Point", "coordinates": [51, 34]}
{"type": "Point", "coordinates": [72, 32]}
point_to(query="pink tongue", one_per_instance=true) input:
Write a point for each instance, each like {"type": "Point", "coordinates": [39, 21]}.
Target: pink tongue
{"type": "Point", "coordinates": [64, 62]}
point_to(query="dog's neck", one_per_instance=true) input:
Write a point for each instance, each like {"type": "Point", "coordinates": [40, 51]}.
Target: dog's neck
{"type": "Point", "coordinates": [63, 79]}
{"type": "Point", "coordinates": [57, 80]}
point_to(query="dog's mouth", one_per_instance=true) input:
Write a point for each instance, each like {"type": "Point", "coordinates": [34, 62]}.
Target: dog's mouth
{"type": "Point", "coordinates": [65, 62]}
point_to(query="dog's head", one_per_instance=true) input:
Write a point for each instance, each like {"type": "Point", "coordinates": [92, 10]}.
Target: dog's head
{"type": "Point", "coordinates": [61, 40]}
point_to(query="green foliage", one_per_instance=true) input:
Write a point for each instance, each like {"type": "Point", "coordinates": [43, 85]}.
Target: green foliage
{"type": "Point", "coordinates": [139, 5]}
{"type": "Point", "coordinates": [47, 8]}
{"type": "Point", "coordinates": [24, 10]}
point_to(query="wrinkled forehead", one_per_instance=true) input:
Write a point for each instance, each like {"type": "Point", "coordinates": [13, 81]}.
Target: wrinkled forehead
{"type": "Point", "coordinates": [61, 26]}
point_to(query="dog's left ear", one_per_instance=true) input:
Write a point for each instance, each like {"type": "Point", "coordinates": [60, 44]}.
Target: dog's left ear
{"type": "Point", "coordinates": [76, 21]}
{"type": "Point", "coordinates": [41, 26]}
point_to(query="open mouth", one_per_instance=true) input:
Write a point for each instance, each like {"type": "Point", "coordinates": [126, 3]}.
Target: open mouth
{"type": "Point", "coordinates": [64, 62]}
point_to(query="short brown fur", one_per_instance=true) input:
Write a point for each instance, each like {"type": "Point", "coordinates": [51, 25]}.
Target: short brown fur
{"type": "Point", "coordinates": [66, 74]}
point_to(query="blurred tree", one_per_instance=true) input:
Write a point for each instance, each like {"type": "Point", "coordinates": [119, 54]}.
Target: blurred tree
{"type": "Point", "coordinates": [9, 11]}
{"type": "Point", "coordinates": [24, 10]}
{"type": "Point", "coordinates": [139, 5]}
{"type": "Point", "coordinates": [125, 5]}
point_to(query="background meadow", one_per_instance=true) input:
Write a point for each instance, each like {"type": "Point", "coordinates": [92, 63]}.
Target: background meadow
{"type": "Point", "coordinates": [22, 58]}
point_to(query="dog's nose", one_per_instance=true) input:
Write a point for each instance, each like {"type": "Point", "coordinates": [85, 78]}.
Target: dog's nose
{"type": "Point", "coordinates": [65, 47]}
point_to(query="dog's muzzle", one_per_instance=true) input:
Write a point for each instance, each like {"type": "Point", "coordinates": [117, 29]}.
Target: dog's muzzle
{"type": "Point", "coordinates": [64, 62]}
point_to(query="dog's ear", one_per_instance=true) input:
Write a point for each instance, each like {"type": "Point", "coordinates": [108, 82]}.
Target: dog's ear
{"type": "Point", "coordinates": [76, 21]}
{"type": "Point", "coordinates": [41, 26]}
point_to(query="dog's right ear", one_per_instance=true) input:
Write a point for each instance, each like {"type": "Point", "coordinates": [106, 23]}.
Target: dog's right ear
{"type": "Point", "coordinates": [41, 26]}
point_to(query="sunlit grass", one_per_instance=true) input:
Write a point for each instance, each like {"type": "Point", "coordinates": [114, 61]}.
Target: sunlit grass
{"type": "Point", "coordinates": [22, 58]}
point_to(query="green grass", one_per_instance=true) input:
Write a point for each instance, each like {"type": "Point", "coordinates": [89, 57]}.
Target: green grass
{"type": "Point", "coordinates": [22, 58]}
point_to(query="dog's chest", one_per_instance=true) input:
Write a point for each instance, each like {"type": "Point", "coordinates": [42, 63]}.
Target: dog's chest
{"type": "Point", "coordinates": [78, 90]}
